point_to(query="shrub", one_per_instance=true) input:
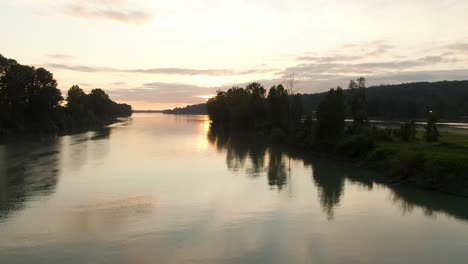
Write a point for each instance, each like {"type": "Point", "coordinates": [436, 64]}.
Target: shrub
{"type": "Point", "coordinates": [357, 145]}
{"type": "Point", "coordinates": [432, 133]}
{"type": "Point", "coordinates": [408, 163]}
{"type": "Point", "coordinates": [382, 134]}
{"type": "Point", "coordinates": [408, 131]}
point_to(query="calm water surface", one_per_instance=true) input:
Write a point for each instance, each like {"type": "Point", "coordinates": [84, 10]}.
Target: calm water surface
{"type": "Point", "coordinates": [167, 189]}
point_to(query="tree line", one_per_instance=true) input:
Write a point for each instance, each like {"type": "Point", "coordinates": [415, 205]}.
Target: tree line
{"type": "Point", "coordinates": [253, 107]}
{"type": "Point", "coordinates": [405, 153]}
{"type": "Point", "coordinates": [31, 103]}
{"type": "Point", "coordinates": [197, 109]}
{"type": "Point", "coordinates": [280, 115]}
{"type": "Point", "coordinates": [449, 99]}
{"type": "Point", "coordinates": [406, 101]}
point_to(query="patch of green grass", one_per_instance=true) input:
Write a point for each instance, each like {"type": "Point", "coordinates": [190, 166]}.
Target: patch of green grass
{"type": "Point", "coordinates": [449, 155]}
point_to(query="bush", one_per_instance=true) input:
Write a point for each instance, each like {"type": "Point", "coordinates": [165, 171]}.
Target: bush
{"type": "Point", "coordinates": [357, 145]}
{"type": "Point", "coordinates": [408, 131]}
{"type": "Point", "coordinates": [408, 163]}
{"type": "Point", "coordinates": [382, 134]}
{"type": "Point", "coordinates": [432, 133]}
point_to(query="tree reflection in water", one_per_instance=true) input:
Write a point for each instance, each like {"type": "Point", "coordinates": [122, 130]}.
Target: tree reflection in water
{"type": "Point", "coordinates": [30, 169]}
{"type": "Point", "coordinates": [27, 170]}
{"type": "Point", "coordinates": [241, 147]}
{"type": "Point", "coordinates": [247, 152]}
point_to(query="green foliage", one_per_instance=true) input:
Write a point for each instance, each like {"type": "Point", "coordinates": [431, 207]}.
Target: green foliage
{"type": "Point", "coordinates": [432, 133]}
{"type": "Point", "coordinates": [382, 134]}
{"type": "Point", "coordinates": [399, 151]}
{"type": "Point", "coordinates": [407, 163]}
{"type": "Point", "coordinates": [408, 131]}
{"type": "Point", "coordinates": [356, 145]}
{"type": "Point", "coordinates": [30, 101]}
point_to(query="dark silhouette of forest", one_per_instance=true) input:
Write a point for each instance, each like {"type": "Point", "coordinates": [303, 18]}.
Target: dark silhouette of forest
{"type": "Point", "coordinates": [395, 102]}
{"type": "Point", "coordinates": [425, 157]}
{"type": "Point", "coordinates": [197, 109]}
{"type": "Point", "coordinates": [31, 103]}
{"type": "Point", "coordinates": [449, 99]}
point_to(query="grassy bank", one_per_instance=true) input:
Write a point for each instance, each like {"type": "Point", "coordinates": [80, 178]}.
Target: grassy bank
{"type": "Point", "coordinates": [439, 165]}
{"type": "Point", "coordinates": [404, 153]}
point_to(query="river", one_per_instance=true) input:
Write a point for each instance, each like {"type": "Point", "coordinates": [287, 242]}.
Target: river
{"type": "Point", "coordinates": [158, 188]}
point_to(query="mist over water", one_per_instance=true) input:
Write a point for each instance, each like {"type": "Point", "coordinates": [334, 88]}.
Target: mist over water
{"type": "Point", "coordinates": [168, 189]}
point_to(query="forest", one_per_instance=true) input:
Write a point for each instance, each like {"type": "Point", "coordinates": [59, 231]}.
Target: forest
{"type": "Point", "coordinates": [394, 102]}
{"type": "Point", "coordinates": [426, 157]}
{"type": "Point", "coordinates": [197, 109]}
{"type": "Point", "coordinates": [31, 103]}
{"type": "Point", "coordinates": [449, 99]}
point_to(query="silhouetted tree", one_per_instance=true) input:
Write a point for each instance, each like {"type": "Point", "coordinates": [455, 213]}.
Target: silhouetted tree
{"type": "Point", "coordinates": [216, 108]}
{"type": "Point", "coordinates": [257, 101]}
{"type": "Point", "coordinates": [357, 101]}
{"type": "Point", "coordinates": [31, 102]}
{"type": "Point", "coordinates": [331, 117]}
{"type": "Point", "coordinates": [432, 133]}
{"type": "Point", "coordinates": [278, 106]}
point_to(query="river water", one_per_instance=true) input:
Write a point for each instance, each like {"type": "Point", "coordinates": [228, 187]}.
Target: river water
{"type": "Point", "coordinates": [166, 189]}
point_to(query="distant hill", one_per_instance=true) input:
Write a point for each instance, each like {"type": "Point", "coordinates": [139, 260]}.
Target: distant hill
{"type": "Point", "coordinates": [148, 111]}
{"type": "Point", "coordinates": [198, 109]}
{"type": "Point", "coordinates": [449, 99]}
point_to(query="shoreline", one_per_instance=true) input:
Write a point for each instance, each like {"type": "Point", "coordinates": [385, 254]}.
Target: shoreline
{"type": "Point", "coordinates": [4, 139]}
{"type": "Point", "coordinates": [430, 173]}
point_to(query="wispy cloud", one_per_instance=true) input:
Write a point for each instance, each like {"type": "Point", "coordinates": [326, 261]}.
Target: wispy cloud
{"type": "Point", "coordinates": [351, 52]}
{"type": "Point", "coordinates": [60, 56]}
{"type": "Point", "coordinates": [116, 10]}
{"type": "Point", "coordinates": [79, 68]}
{"type": "Point", "coordinates": [459, 46]}
{"type": "Point", "coordinates": [159, 71]}
{"type": "Point", "coordinates": [161, 92]}
{"type": "Point", "coordinates": [316, 69]}
{"type": "Point", "coordinates": [178, 93]}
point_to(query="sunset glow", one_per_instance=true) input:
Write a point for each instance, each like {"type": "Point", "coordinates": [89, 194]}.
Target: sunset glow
{"type": "Point", "coordinates": [160, 54]}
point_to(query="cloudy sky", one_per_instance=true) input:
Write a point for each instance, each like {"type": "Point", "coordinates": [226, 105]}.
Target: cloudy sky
{"type": "Point", "coordinates": [158, 54]}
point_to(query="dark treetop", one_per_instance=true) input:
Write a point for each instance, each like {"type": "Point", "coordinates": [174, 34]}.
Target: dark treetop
{"type": "Point", "coordinates": [31, 103]}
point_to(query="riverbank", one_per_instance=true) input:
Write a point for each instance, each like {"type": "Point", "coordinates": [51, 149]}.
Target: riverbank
{"type": "Point", "coordinates": [440, 166]}
{"type": "Point", "coordinates": [71, 130]}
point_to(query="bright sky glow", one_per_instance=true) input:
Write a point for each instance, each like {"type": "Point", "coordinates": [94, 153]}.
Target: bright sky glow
{"type": "Point", "coordinates": [162, 54]}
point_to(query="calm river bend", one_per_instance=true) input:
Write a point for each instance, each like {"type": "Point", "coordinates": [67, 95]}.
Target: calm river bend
{"type": "Point", "coordinates": [166, 189]}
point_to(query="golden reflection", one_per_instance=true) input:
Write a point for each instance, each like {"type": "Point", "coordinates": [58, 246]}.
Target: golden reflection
{"type": "Point", "coordinates": [202, 140]}
{"type": "Point", "coordinates": [107, 216]}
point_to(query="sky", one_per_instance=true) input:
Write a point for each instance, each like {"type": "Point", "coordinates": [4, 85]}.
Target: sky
{"type": "Point", "coordinates": [157, 54]}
